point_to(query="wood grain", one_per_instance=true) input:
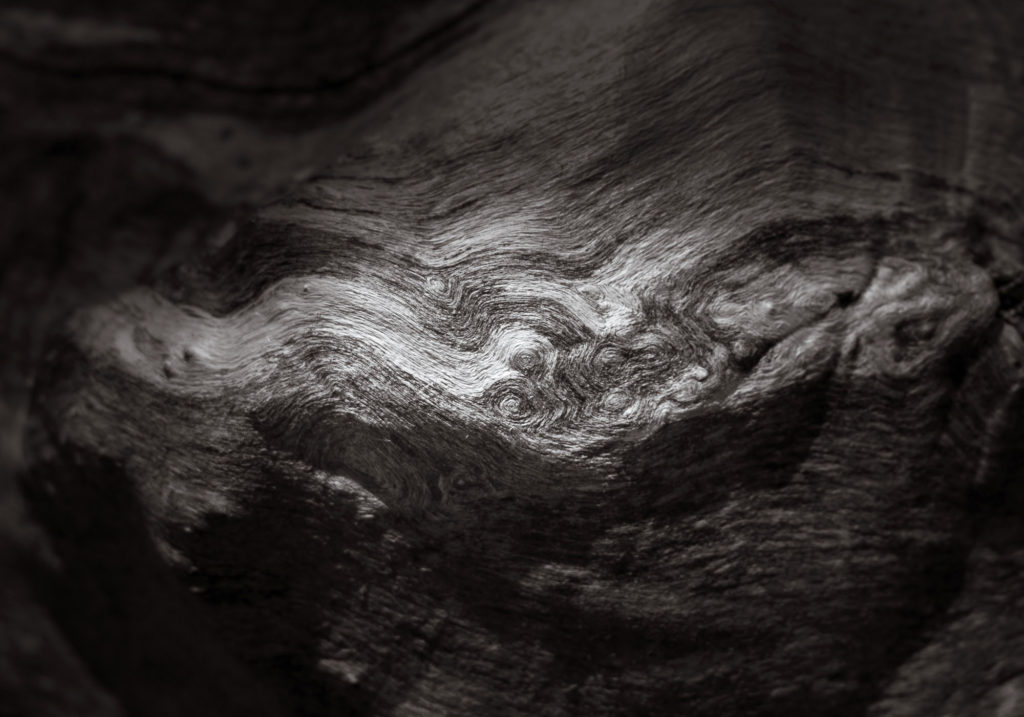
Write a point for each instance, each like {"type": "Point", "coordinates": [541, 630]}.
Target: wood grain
{"type": "Point", "coordinates": [577, 358]}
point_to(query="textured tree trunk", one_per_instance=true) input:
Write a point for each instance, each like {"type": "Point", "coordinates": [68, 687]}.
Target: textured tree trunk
{"type": "Point", "coordinates": [508, 358]}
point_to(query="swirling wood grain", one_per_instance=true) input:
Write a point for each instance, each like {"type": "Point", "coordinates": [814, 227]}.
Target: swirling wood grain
{"type": "Point", "coordinates": [641, 358]}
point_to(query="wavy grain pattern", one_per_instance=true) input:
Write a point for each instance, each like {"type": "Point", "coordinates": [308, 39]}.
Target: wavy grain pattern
{"type": "Point", "coordinates": [638, 358]}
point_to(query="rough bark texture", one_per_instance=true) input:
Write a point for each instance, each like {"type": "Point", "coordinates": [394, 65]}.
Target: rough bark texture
{"type": "Point", "coordinates": [512, 358]}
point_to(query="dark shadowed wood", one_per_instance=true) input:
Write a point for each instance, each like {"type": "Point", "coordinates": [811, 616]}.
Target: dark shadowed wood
{"type": "Point", "coordinates": [513, 358]}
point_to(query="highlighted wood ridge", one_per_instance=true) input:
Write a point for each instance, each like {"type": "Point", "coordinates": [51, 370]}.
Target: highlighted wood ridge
{"type": "Point", "coordinates": [585, 358]}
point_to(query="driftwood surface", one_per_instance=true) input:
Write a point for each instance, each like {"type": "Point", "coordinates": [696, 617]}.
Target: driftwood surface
{"type": "Point", "coordinates": [506, 358]}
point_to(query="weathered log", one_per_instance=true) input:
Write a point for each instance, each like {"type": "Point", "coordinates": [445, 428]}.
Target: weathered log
{"type": "Point", "coordinates": [576, 358]}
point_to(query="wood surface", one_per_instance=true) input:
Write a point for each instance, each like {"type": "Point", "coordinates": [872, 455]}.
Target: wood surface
{"type": "Point", "coordinates": [512, 358]}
